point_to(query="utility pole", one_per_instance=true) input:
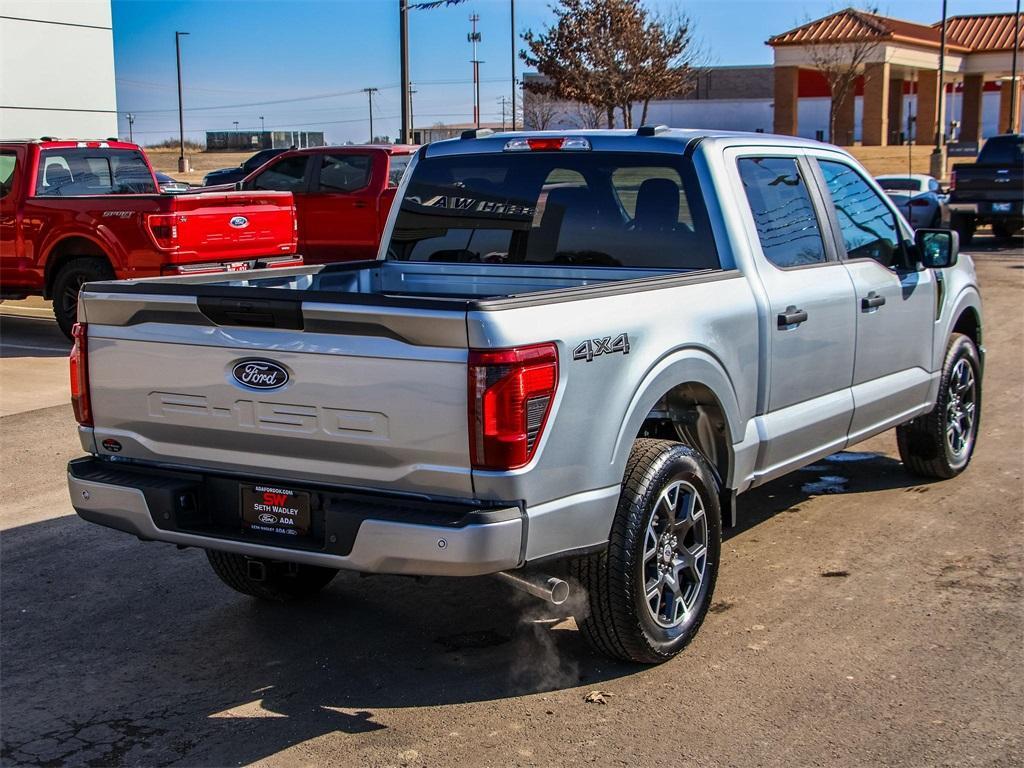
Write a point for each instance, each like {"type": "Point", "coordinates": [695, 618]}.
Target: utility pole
{"type": "Point", "coordinates": [182, 165]}
{"type": "Point", "coordinates": [474, 38]}
{"type": "Point", "coordinates": [405, 132]}
{"type": "Point", "coordinates": [263, 127]}
{"type": "Point", "coordinates": [512, 29]}
{"type": "Point", "coordinates": [131, 120]}
{"type": "Point", "coordinates": [1014, 83]}
{"type": "Point", "coordinates": [369, 95]}
{"type": "Point", "coordinates": [412, 122]}
{"type": "Point", "coordinates": [504, 102]}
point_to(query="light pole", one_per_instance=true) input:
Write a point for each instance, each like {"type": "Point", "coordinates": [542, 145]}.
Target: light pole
{"type": "Point", "coordinates": [1012, 127]}
{"type": "Point", "coordinates": [131, 120]}
{"type": "Point", "coordinates": [938, 159]}
{"type": "Point", "coordinates": [512, 27]}
{"type": "Point", "coordinates": [263, 126]}
{"type": "Point", "coordinates": [182, 164]}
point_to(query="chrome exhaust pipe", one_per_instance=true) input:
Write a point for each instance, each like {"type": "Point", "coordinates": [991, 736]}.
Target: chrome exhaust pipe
{"type": "Point", "coordinates": [555, 591]}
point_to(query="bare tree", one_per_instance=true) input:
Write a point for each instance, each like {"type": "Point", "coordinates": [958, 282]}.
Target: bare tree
{"type": "Point", "coordinates": [539, 110]}
{"type": "Point", "coordinates": [587, 115]}
{"type": "Point", "coordinates": [841, 64]}
{"type": "Point", "coordinates": [610, 54]}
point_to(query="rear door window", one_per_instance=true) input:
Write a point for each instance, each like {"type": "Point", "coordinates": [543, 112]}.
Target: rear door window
{"type": "Point", "coordinates": [79, 171]}
{"type": "Point", "coordinates": [396, 169]}
{"type": "Point", "coordinates": [345, 173]}
{"type": "Point", "coordinates": [787, 225]}
{"type": "Point", "coordinates": [287, 175]}
{"type": "Point", "coordinates": [561, 208]}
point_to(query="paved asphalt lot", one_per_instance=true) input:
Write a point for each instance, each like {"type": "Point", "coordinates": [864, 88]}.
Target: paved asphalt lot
{"type": "Point", "coordinates": [880, 625]}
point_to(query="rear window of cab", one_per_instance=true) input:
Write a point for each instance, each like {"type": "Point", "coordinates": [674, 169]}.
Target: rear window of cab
{"type": "Point", "coordinates": [81, 171]}
{"type": "Point", "coordinates": [612, 209]}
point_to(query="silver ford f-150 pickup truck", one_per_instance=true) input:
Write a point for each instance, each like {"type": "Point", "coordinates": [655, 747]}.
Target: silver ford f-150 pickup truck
{"type": "Point", "coordinates": [572, 353]}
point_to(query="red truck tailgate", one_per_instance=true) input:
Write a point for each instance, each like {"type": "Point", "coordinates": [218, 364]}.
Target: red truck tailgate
{"type": "Point", "coordinates": [233, 225]}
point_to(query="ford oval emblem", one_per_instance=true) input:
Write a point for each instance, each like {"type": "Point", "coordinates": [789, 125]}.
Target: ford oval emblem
{"type": "Point", "coordinates": [259, 374]}
{"type": "Point", "coordinates": [268, 519]}
{"type": "Point", "coordinates": [239, 222]}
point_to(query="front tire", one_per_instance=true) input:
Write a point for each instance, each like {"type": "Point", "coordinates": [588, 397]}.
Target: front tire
{"type": "Point", "coordinates": [269, 579]}
{"type": "Point", "coordinates": [940, 444]}
{"type": "Point", "coordinates": [69, 281]}
{"type": "Point", "coordinates": [649, 591]}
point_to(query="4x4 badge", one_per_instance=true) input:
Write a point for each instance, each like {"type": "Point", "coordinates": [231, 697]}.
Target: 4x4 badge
{"type": "Point", "coordinates": [591, 348]}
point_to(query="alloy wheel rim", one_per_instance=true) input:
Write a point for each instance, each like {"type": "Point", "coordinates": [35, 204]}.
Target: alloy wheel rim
{"type": "Point", "coordinates": [961, 406]}
{"type": "Point", "coordinates": [70, 297]}
{"type": "Point", "coordinates": [675, 554]}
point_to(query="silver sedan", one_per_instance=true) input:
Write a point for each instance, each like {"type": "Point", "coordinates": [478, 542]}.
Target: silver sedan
{"type": "Point", "coordinates": [919, 197]}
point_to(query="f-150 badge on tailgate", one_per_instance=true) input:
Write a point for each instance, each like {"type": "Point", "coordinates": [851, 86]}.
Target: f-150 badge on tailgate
{"type": "Point", "coordinates": [259, 374]}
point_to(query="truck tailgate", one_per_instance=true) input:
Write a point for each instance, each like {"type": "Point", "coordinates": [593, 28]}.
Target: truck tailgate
{"type": "Point", "coordinates": [375, 396]}
{"type": "Point", "coordinates": [225, 225]}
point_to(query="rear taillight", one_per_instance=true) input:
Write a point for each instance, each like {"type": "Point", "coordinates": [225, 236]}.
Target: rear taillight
{"type": "Point", "coordinates": [80, 376]}
{"type": "Point", "coordinates": [952, 180]}
{"type": "Point", "coordinates": [510, 395]}
{"type": "Point", "coordinates": [919, 202]}
{"type": "Point", "coordinates": [164, 230]}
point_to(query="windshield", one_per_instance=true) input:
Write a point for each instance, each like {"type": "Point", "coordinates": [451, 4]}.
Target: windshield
{"type": "Point", "coordinates": [77, 171]}
{"type": "Point", "coordinates": [899, 185]}
{"type": "Point", "coordinates": [565, 208]}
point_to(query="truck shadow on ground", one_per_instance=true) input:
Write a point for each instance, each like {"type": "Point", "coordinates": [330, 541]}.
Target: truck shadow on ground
{"type": "Point", "coordinates": [31, 337]}
{"type": "Point", "coordinates": [117, 652]}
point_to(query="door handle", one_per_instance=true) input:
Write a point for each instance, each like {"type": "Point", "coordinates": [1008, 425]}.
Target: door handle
{"type": "Point", "coordinates": [791, 316]}
{"type": "Point", "coordinates": [871, 301]}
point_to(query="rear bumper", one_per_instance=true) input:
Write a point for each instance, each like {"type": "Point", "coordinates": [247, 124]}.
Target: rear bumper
{"type": "Point", "coordinates": [353, 531]}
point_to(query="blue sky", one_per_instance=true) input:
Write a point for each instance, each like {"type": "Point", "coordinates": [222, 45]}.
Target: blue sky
{"type": "Point", "coordinates": [319, 54]}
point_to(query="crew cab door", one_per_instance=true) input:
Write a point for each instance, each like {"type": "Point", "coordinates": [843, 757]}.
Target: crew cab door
{"type": "Point", "coordinates": [11, 256]}
{"type": "Point", "coordinates": [288, 173]}
{"type": "Point", "coordinates": [808, 324]}
{"type": "Point", "coordinates": [894, 303]}
{"type": "Point", "coordinates": [340, 211]}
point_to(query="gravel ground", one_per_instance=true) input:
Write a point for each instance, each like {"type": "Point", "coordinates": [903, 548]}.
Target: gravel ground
{"type": "Point", "coordinates": [867, 619]}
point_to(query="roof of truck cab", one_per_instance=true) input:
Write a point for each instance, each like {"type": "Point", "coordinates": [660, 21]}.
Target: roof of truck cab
{"type": "Point", "coordinates": [614, 140]}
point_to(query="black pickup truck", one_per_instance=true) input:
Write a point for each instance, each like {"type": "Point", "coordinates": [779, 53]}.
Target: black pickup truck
{"type": "Point", "coordinates": [990, 190]}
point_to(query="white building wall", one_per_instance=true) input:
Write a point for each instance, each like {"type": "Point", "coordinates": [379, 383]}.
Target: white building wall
{"type": "Point", "coordinates": [57, 69]}
{"type": "Point", "coordinates": [756, 114]}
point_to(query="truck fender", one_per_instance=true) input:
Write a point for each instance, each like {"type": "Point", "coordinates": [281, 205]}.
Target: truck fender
{"type": "Point", "coordinates": [100, 239]}
{"type": "Point", "coordinates": [683, 366]}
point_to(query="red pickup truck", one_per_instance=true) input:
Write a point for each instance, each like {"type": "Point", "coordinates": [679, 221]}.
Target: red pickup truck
{"type": "Point", "coordinates": [76, 211]}
{"type": "Point", "coordinates": [342, 195]}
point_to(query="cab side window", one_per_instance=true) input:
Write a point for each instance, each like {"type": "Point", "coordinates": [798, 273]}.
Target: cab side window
{"type": "Point", "coordinates": [287, 175]}
{"type": "Point", "coordinates": [868, 226]}
{"type": "Point", "coordinates": [8, 163]}
{"type": "Point", "coordinates": [786, 223]}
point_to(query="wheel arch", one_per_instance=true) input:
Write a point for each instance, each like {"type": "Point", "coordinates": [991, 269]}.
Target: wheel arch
{"type": "Point", "coordinates": [689, 393]}
{"type": "Point", "coordinates": [66, 249]}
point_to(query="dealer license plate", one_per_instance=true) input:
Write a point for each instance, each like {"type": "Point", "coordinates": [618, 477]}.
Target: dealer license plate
{"type": "Point", "coordinates": [273, 510]}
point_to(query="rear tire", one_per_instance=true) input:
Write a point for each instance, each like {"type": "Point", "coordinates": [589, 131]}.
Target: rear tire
{"type": "Point", "coordinates": [649, 591]}
{"type": "Point", "coordinates": [1004, 230]}
{"type": "Point", "coordinates": [280, 582]}
{"type": "Point", "coordinates": [964, 226]}
{"type": "Point", "coordinates": [940, 443]}
{"type": "Point", "coordinates": [69, 281]}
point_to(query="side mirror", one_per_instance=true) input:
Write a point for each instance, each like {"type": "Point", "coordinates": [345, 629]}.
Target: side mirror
{"type": "Point", "coordinates": [937, 248]}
